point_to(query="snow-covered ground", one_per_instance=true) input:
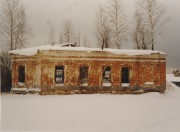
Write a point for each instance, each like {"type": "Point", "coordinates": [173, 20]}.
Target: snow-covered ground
{"type": "Point", "coordinates": [152, 112]}
{"type": "Point", "coordinates": [172, 78]}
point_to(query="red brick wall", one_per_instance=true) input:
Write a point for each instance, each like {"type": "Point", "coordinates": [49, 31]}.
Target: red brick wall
{"type": "Point", "coordinates": [30, 72]}
{"type": "Point", "coordinates": [140, 72]}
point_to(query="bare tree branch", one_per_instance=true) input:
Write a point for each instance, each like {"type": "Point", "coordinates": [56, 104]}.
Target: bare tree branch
{"type": "Point", "coordinates": [51, 38]}
{"type": "Point", "coordinates": [5, 60]}
{"type": "Point", "coordinates": [102, 28]}
{"type": "Point", "coordinates": [118, 23]}
{"type": "Point", "coordinates": [154, 17]}
{"type": "Point", "coordinates": [68, 32]}
{"type": "Point", "coordinates": [140, 34]}
{"type": "Point", "coordinates": [14, 28]}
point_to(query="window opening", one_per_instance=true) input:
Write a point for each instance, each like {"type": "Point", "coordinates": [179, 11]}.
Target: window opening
{"type": "Point", "coordinates": [59, 74]}
{"type": "Point", "coordinates": [125, 75]}
{"type": "Point", "coordinates": [106, 76]}
{"type": "Point", "coordinates": [84, 75]}
{"type": "Point", "coordinates": [21, 77]}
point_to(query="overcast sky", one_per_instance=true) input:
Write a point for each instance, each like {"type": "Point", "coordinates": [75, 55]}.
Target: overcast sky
{"type": "Point", "coordinates": [82, 15]}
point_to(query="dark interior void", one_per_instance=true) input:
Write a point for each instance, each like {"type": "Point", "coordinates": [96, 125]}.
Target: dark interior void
{"type": "Point", "coordinates": [125, 75]}
{"type": "Point", "coordinates": [21, 77]}
{"type": "Point", "coordinates": [83, 75]}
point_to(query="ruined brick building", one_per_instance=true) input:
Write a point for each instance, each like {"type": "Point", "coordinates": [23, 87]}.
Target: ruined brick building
{"type": "Point", "coordinates": [57, 68]}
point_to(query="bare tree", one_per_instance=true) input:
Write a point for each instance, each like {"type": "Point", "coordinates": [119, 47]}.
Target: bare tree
{"type": "Point", "coordinates": [118, 23]}
{"type": "Point", "coordinates": [23, 31]}
{"type": "Point", "coordinates": [14, 28]}
{"type": "Point", "coordinates": [60, 38]}
{"type": "Point", "coordinates": [5, 67]}
{"type": "Point", "coordinates": [102, 28]}
{"type": "Point", "coordinates": [78, 39]}
{"type": "Point", "coordinates": [85, 41]}
{"type": "Point", "coordinates": [15, 32]}
{"type": "Point", "coordinates": [51, 39]}
{"type": "Point", "coordinates": [140, 34]}
{"type": "Point", "coordinates": [154, 17]}
{"type": "Point", "coordinates": [5, 60]}
{"type": "Point", "coordinates": [68, 32]}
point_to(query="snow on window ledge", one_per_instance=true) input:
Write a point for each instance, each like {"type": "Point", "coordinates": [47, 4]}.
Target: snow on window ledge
{"type": "Point", "coordinates": [19, 89]}
{"type": "Point", "coordinates": [149, 83]}
{"type": "Point", "coordinates": [34, 90]}
{"type": "Point", "coordinates": [107, 84]}
{"type": "Point", "coordinates": [21, 83]}
{"type": "Point", "coordinates": [26, 89]}
{"type": "Point", "coordinates": [84, 84]}
{"type": "Point", "coordinates": [125, 84]}
{"type": "Point", "coordinates": [59, 84]}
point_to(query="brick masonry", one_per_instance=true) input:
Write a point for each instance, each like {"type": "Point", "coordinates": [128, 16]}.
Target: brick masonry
{"type": "Point", "coordinates": [40, 70]}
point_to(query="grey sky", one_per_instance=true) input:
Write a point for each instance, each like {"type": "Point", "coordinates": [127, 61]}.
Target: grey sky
{"type": "Point", "coordinates": [82, 14]}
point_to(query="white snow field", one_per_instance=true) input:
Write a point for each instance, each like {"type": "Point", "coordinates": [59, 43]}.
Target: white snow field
{"type": "Point", "coordinates": [151, 112]}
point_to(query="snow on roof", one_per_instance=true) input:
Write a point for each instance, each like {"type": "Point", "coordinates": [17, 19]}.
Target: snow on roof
{"type": "Point", "coordinates": [33, 50]}
{"type": "Point", "coordinates": [172, 78]}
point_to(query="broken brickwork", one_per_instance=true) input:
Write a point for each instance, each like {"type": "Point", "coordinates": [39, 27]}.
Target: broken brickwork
{"type": "Point", "coordinates": [40, 71]}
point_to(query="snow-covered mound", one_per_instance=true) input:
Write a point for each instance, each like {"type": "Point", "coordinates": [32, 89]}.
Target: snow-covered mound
{"type": "Point", "coordinates": [33, 50]}
{"type": "Point", "coordinates": [172, 78]}
{"type": "Point", "coordinates": [171, 88]}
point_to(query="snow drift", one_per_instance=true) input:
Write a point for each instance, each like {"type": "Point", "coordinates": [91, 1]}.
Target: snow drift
{"type": "Point", "coordinates": [151, 112]}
